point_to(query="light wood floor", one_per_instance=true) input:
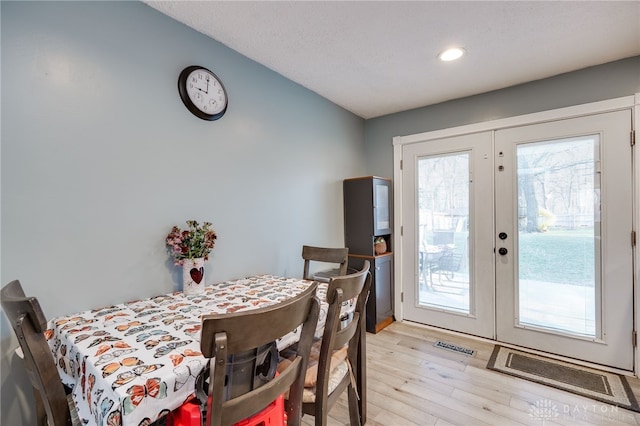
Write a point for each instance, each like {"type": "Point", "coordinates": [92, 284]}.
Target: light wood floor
{"type": "Point", "coordinates": [411, 382]}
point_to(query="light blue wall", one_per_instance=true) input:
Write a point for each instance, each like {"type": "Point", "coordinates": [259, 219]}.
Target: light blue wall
{"type": "Point", "coordinates": [100, 158]}
{"type": "Point", "coordinates": [608, 81]}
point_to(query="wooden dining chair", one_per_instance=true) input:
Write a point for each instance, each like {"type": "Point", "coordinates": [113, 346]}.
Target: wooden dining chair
{"type": "Point", "coordinates": [341, 352]}
{"type": "Point", "coordinates": [339, 256]}
{"type": "Point", "coordinates": [53, 406]}
{"type": "Point", "coordinates": [224, 335]}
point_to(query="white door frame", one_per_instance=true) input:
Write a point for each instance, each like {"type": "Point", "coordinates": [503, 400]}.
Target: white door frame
{"type": "Point", "coordinates": [627, 102]}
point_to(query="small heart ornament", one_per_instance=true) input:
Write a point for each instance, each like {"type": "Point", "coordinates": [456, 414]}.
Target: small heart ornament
{"type": "Point", "coordinates": [197, 274]}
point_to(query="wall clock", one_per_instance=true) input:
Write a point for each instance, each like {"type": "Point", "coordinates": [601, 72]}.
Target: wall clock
{"type": "Point", "coordinates": [202, 93]}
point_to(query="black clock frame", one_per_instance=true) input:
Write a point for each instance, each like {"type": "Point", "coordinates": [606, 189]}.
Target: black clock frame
{"type": "Point", "coordinates": [182, 89]}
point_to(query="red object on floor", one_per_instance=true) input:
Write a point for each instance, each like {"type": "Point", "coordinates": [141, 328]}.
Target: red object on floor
{"type": "Point", "coordinates": [188, 414]}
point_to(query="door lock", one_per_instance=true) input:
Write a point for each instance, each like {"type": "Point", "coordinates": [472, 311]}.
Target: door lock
{"type": "Point", "coordinates": [502, 235]}
{"type": "Point", "coordinates": [503, 251]}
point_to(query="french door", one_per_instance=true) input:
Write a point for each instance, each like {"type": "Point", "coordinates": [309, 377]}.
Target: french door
{"type": "Point", "coordinates": [523, 235]}
{"type": "Point", "coordinates": [448, 226]}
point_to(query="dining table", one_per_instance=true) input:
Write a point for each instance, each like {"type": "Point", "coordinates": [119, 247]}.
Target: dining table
{"type": "Point", "coordinates": [132, 363]}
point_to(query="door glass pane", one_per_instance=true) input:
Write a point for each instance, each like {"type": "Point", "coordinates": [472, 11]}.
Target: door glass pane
{"type": "Point", "coordinates": [443, 240]}
{"type": "Point", "coordinates": [559, 234]}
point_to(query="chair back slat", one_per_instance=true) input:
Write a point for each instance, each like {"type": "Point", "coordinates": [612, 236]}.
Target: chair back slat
{"type": "Point", "coordinates": [324, 254]}
{"type": "Point", "coordinates": [243, 406]}
{"type": "Point", "coordinates": [347, 333]}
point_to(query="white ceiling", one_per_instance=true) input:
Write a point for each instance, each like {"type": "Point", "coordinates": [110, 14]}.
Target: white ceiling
{"type": "Point", "coordinates": [379, 57]}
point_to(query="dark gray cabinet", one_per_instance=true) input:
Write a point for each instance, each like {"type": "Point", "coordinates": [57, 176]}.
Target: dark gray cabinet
{"type": "Point", "coordinates": [368, 218]}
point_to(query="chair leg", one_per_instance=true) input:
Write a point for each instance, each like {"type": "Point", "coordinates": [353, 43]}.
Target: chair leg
{"type": "Point", "coordinates": [41, 413]}
{"type": "Point", "coordinates": [294, 414]}
{"type": "Point", "coordinates": [361, 376]}
{"type": "Point", "coordinates": [320, 420]}
{"type": "Point", "coordinates": [354, 410]}
{"type": "Point", "coordinates": [321, 414]}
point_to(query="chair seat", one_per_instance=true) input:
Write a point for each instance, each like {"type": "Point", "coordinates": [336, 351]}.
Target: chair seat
{"type": "Point", "coordinates": [335, 377]}
{"type": "Point", "coordinates": [311, 375]}
{"type": "Point", "coordinates": [338, 369]}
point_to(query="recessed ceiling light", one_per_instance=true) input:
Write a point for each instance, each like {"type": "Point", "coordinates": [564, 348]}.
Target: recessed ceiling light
{"type": "Point", "coordinates": [451, 54]}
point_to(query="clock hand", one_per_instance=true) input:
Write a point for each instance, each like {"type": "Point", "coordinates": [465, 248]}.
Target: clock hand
{"type": "Point", "coordinates": [207, 92]}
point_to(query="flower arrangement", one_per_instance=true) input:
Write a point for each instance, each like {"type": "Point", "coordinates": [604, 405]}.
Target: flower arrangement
{"type": "Point", "coordinates": [194, 242]}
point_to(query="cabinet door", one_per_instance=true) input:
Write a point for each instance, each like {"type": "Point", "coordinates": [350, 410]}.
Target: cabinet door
{"type": "Point", "coordinates": [380, 302]}
{"type": "Point", "coordinates": [381, 207]}
{"type": "Point", "coordinates": [383, 275]}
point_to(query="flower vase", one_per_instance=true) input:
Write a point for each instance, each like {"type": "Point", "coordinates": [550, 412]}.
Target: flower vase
{"type": "Point", "coordinates": [193, 276]}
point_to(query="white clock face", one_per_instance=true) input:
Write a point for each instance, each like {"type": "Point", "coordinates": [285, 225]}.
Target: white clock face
{"type": "Point", "coordinates": [206, 92]}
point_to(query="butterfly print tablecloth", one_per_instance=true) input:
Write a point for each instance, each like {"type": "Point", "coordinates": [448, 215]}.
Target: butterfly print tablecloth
{"type": "Point", "coordinates": [132, 363]}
